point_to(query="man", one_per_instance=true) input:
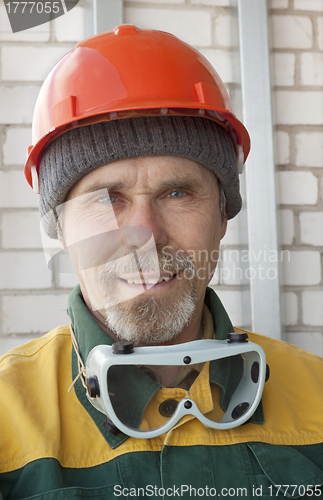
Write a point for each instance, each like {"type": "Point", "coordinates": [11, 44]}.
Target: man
{"type": "Point", "coordinates": [136, 152]}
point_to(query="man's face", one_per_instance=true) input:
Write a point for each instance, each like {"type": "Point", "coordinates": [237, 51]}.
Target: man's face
{"type": "Point", "coordinates": [158, 214]}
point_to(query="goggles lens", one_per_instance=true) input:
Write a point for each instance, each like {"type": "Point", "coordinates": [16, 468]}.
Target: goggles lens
{"type": "Point", "coordinates": [220, 393]}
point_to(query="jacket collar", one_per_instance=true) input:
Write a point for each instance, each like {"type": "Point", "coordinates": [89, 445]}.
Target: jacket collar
{"type": "Point", "coordinates": [89, 334]}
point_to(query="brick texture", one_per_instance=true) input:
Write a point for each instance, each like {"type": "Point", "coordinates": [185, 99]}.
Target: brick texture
{"type": "Point", "coordinates": [216, 3]}
{"type": "Point", "coordinates": [192, 26]}
{"type": "Point", "coordinates": [15, 192]}
{"type": "Point", "coordinates": [24, 99]}
{"type": "Point", "coordinates": [299, 108]}
{"type": "Point", "coordinates": [320, 32]}
{"type": "Point", "coordinates": [298, 188]}
{"type": "Point", "coordinates": [15, 145]}
{"type": "Point", "coordinates": [20, 229]}
{"type": "Point", "coordinates": [222, 61]}
{"type": "Point", "coordinates": [312, 307]}
{"type": "Point", "coordinates": [282, 148]}
{"type": "Point", "coordinates": [31, 63]}
{"type": "Point", "coordinates": [31, 318]}
{"type": "Point", "coordinates": [69, 28]}
{"type": "Point", "coordinates": [33, 300]}
{"type": "Point", "coordinates": [309, 149]}
{"type": "Point", "coordinates": [284, 68]}
{"type": "Point", "coordinates": [297, 33]}
{"type": "Point", "coordinates": [292, 32]}
{"type": "Point", "coordinates": [312, 68]}
{"type": "Point", "coordinates": [287, 227]}
{"type": "Point", "coordinates": [309, 5]}
{"type": "Point", "coordinates": [310, 341]}
{"type": "Point", "coordinates": [303, 268]}
{"type": "Point", "coordinates": [290, 309]}
{"type": "Point", "coordinates": [279, 4]}
{"type": "Point", "coordinates": [311, 228]}
{"type": "Point", "coordinates": [24, 270]}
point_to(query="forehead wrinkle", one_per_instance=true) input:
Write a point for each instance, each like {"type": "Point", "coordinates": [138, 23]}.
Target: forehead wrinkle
{"type": "Point", "coordinates": [100, 184]}
{"type": "Point", "coordinates": [151, 175]}
{"type": "Point", "coordinates": [180, 184]}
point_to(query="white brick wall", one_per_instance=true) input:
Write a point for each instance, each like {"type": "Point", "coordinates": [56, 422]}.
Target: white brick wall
{"type": "Point", "coordinates": [309, 5]}
{"type": "Point", "coordinates": [223, 35]}
{"type": "Point", "coordinates": [320, 32]}
{"type": "Point", "coordinates": [290, 308]}
{"type": "Point", "coordinates": [21, 230]}
{"type": "Point", "coordinates": [311, 227]}
{"type": "Point", "coordinates": [312, 307]}
{"type": "Point", "coordinates": [292, 32]}
{"type": "Point", "coordinates": [222, 61]}
{"type": "Point", "coordinates": [299, 108]}
{"type": "Point", "coordinates": [29, 63]}
{"type": "Point", "coordinates": [192, 26]}
{"type": "Point", "coordinates": [24, 270]}
{"type": "Point", "coordinates": [309, 341]}
{"type": "Point", "coordinates": [15, 192]}
{"type": "Point", "coordinates": [279, 4]}
{"type": "Point", "coordinates": [309, 149]}
{"type": "Point", "coordinates": [232, 302]}
{"type": "Point", "coordinates": [233, 236]}
{"type": "Point", "coordinates": [286, 227]}
{"type": "Point", "coordinates": [33, 301]}
{"type": "Point", "coordinates": [303, 268]}
{"type": "Point", "coordinates": [282, 148]}
{"type": "Point", "coordinates": [312, 68]}
{"type": "Point", "coordinates": [216, 3]}
{"type": "Point", "coordinates": [31, 318]}
{"type": "Point", "coordinates": [15, 145]}
{"type": "Point", "coordinates": [67, 280]}
{"type": "Point", "coordinates": [298, 188]}
{"type": "Point", "coordinates": [284, 68]}
{"type": "Point", "coordinates": [69, 28]}
{"type": "Point", "coordinates": [24, 99]}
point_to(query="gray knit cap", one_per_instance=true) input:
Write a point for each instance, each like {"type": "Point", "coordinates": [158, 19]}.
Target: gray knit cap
{"type": "Point", "coordinates": [74, 154]}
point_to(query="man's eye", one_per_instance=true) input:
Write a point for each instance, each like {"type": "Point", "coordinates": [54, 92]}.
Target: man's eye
{"type": "Point", "coordinates": [176, 194]}
{"type": "Point", "coordinates": [107, 199]}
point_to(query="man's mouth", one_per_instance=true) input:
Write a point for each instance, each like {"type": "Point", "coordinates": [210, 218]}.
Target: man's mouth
{"type": "Point", "coordinates": [153, 280]}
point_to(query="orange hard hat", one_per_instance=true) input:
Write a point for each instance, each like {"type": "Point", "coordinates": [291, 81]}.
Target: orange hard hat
{"type": "Point", "coordinates": [130, 72]}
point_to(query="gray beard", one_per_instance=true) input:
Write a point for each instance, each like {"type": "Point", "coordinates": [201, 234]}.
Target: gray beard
{"type": "Point", "coordinates": [145, 319]}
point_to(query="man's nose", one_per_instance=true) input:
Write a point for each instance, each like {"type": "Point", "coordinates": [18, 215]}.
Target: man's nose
{"type": "Point", "coordinates": [144, 226]}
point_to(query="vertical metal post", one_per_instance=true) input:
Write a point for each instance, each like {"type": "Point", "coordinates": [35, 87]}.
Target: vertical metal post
{"type": "Point", "coordinates": [260, 168]}
{"type": "Point", "coordinates": [236, 99]}
{"type": "Point", "coordinates": [101, 15]}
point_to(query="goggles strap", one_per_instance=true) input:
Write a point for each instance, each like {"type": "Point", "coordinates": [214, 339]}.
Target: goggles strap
{"type": "Point", "coordinates": [81, 367]}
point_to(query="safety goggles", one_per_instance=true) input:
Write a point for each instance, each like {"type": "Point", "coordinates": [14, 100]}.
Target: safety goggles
{"type": "Point", "coordinates": [124, 383]}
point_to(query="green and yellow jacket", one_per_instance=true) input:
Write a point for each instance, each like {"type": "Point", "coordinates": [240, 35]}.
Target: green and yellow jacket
{"type": "Point", "coordinates": [54, 446]}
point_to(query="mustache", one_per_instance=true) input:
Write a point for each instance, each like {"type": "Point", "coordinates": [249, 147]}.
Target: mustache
{"type": "Point", "coordinates": [148, 262]}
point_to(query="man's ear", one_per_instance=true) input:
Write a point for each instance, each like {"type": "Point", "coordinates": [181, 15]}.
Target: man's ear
{"type": "Point", "coordinates": [224, 226]}
{"type": "Point", "coordinates": [61, 240]}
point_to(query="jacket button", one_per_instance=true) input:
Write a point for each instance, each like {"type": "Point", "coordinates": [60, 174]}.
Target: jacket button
{"type": "Point", "coordinates": [168, 407]}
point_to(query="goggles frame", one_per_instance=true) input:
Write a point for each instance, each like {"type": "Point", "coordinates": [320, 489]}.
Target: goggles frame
{"type": "Point", "coordinates": [248, 391]}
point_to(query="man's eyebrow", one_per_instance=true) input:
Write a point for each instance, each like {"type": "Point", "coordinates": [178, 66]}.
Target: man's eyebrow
{"type": "Point", "coordinates": [180, 185]}
{"type": "Point", "coordinates": [100, 185]}
{"type": "Point", "coordinates": [172, 184]}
